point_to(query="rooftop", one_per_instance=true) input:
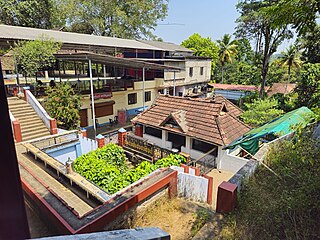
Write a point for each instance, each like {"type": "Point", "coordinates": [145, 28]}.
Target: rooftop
{"type": "Point", "coordinates": [12, 33]}
{"type": "Point", "coordinates": [211, 120]}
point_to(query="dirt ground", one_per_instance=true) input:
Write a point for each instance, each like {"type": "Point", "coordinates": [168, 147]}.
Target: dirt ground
{"type": "Point", "coordinates": [180, 218]}
{"type": "Point", "coordinates": [218, 177]}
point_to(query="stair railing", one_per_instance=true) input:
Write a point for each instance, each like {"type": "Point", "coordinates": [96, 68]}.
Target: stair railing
{"type": "Point", "coordinates": [16, 128]}
{"type": "Point", "coordinates": [50, 122]}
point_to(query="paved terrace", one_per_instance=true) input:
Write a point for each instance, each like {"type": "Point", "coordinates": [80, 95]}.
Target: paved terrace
{"type": "Point", "coordinates": [71, 213]}
{"type": "Point", "coordinates": [33, 173]}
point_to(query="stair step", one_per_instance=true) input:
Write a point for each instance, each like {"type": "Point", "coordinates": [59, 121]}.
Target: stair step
{"type": "Point", "coordinates": [33, 129]}
{"type": "Point", "coordinates": [24, 111]}
{"type": "Point", "coordinates": [20, 108]}
{"type": "Point", "coordinates": [35, 132]}
{"type": "Point", "coordinates": [28, 122]}
{"type": "Point", "coordinates": [29, 117]}
{"type": "Point", "coordinates": [35, 136]}
{"type": "Point", "coordinates": [27, 114]}
{"type": "Point", "coordinates": [34, 124]}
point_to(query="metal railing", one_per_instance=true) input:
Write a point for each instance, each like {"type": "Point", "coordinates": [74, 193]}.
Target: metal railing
{"type": "Point", "coordinates": [206, 162]}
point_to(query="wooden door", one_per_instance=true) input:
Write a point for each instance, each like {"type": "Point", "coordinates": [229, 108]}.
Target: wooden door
{"type": "Point", "coordinates": [83, 118]}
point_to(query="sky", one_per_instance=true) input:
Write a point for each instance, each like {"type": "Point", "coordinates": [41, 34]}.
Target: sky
{"type": "Point", "coordinates": [209, 18]}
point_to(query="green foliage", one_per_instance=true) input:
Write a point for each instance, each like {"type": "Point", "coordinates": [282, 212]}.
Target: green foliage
{"type": "Point", "coordinates": [260, 112]}
{"type": "Point", "coordinates": [107, 167]}
{"type": "Point", "coordinates": [310, 45]}
{"type": "Point", "coordinates": [33, 13]}
{"type": "Point", "coordinates": [125, 19]}
{"type": "Point", "coordinates": [286, 102]}
{"type": "Point", "coordinates": [33, 56]}
{"type": "Point", "coordinates": [285, 207]}
{"type": "Point", "coordinates": [301, 14]}
{"type": "Point", "coordinates": [203, 47]}
{"type": "Point", "coordinates": [254, 24]}
{"type": "Point", "coordinates": [308, 86]}
{"type": "Point", "coordinates": [202, 217]}
{"type": "Point", "coordinates": [63, 104]}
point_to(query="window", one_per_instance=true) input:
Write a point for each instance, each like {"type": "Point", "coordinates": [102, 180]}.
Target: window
{"type": "Point", "coordinates": [153, 132]}
{"type": "Point", "coordinates": [147, 96]}
{"type": "Point", "coordinates": [132, 98]}
{"type": "Point", "coordinates": [203, 147]}
{"type": "Point", "coordinates": [201, 70]}
{"type": "Point", "coordinates": [190, 71]}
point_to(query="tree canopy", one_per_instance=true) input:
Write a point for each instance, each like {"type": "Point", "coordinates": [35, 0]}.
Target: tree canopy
{"type": "Point", "coordinates": [260, 112]}
{"type": "Point", "coordinates": [203, 47]}
{"type": "Point", "coordinates": [45, 14]}
{"type": "Point", "coordinates": [255, 25]}
{"type": "Point", "coordinates": [123, 19]}
{"type": "Point", "coordinates": [33, 56]}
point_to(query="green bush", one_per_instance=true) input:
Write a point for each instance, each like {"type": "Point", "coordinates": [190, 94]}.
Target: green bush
{"type": "Point", "coordinates": [107, 167]}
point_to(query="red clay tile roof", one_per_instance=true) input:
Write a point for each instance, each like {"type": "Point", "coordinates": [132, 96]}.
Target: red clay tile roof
{"type": "Point", "coordinates": [281, 88]}
{"type": "Point", "coordinates": [235, 87]}
{"type": "Point", "coordinates": [211, 120]}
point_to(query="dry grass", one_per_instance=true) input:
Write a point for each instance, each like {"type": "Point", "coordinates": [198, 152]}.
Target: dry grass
{"type": "Point", "coordinates": [176, 216]}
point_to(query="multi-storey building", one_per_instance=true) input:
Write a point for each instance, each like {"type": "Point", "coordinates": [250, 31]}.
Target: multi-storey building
{"type": "Point", "coordinates": [127, 74]}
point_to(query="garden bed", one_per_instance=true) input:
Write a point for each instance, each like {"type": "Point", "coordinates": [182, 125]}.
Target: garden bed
{"type": "Point", "coordinates": [108, 168]}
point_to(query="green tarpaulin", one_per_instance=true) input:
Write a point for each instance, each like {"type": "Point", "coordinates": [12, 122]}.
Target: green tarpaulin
{"type": "Point", "coordinates": [278, 127]}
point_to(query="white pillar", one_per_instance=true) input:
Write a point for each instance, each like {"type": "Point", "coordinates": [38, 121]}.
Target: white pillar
{"type": "Point", "coordinates": [104, 71]}
{"type": "Point", "coordinates": [164, 139]}
{"type": "Point", "coordinates": [143, 86]}
{"type": "Point", "coordinates": [92, 99]}
{"type": "Point", "coordinates": [174, 83]}
{"type": "Point", "coordinates": [188, 144]}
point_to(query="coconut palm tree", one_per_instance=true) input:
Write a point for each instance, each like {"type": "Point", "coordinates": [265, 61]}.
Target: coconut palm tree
{"type": "Point", "coordinates": [228, 50]}
{"type": "Point", "coordinates": [291, 59]}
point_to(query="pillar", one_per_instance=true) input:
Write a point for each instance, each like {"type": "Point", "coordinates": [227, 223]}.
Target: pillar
{"type": "Point", "coordinates": [17, 131]}
{"type": "Point", "coordinates": [210, 188]}
{"type": "Point", "coordinates": [53, 127]}
{"type": "Point", "coordinates": [100, 140]}
{"type": "Point", "coordinates": [188, 144]}
{"type": "Point", "coordinates": [139, 130]}
{"type": "Point", "coordinates": [122, 133]}
{"type": "Point", "coordinates": [84, 133]}
{"type": "Point", "coordinates": [173, 185]}
{"type": "Point", "coordinates": [164, 139]}
{"type": "Point", "coordinates": [226, 197]}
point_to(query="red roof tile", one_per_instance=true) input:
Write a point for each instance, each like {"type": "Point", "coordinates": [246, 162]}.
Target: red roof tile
{"type": "Point", "coordinates": [211, 120]}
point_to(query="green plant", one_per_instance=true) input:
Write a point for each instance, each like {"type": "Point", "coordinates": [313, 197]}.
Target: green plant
{"type": "Point", "coordinates": [63, 104]}
{"type": "Point", "coordinates": [202, 216]}
{"type": "Point", "coordinates": [260, 112]}
{"type": "Point", "coordinates": [107, 167]}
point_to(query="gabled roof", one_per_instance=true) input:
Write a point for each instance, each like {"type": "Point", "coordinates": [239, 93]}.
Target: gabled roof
{"type": "Point", "coordinates": [210, 120]}
{"type": "Point", "coordinates": [283, 88]}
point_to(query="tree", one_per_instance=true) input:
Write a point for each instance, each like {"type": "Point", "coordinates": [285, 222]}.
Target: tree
{"type": "Point", "coordinates": [46, 14]}
{"type": "Point", "coordinates": [301, 14]}
{"type": "Point", "coordinates": [255, 25]}
{"type": "Point", "coordinates": [308, 86]}
{"type": "Point", "coordinates": [260, 112]}
{"type": "Point", "coordinates": [227, 51]}
{"type": "Point", "coordinates": [203, 47]}
{"type": "Point", "coordinates": [310, 45]}
{"type": "Point", "coordinates": [124, 19]}
{"type": "Point", "coordinates": [290, 59]}
{"type": "Point", "coordinates": [64, 105]}
{"type": "Point", "coordinates": [36, 55]}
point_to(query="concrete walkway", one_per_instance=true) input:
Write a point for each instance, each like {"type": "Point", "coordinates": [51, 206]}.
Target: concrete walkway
{"type": "Point", "coordinates": [218, 176]}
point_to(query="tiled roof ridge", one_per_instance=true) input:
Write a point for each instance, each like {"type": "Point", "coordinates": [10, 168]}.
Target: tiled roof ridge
{"type": "Point", "coordinates": [238, 119]}
{"type": "Point", "coordinates": [222, 134]}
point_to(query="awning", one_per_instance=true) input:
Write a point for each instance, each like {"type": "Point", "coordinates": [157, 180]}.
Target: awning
{"type": "Point", "coordinates": [279, 127]}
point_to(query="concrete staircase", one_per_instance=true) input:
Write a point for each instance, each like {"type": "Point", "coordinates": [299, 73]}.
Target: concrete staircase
{"type": "Point", "coordinates": [31, 125]}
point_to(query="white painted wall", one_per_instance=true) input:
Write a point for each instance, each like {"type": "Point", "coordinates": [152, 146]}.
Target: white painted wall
{"type": "Point", "coordinates": [229, 162]}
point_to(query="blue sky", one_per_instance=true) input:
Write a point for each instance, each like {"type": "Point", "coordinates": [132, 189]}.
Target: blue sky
{"type": "Point", "coordinates": [209, 18]}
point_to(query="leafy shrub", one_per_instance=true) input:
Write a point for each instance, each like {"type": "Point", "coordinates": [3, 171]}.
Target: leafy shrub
{"type": "Point", "coordinates": [107, 167]}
